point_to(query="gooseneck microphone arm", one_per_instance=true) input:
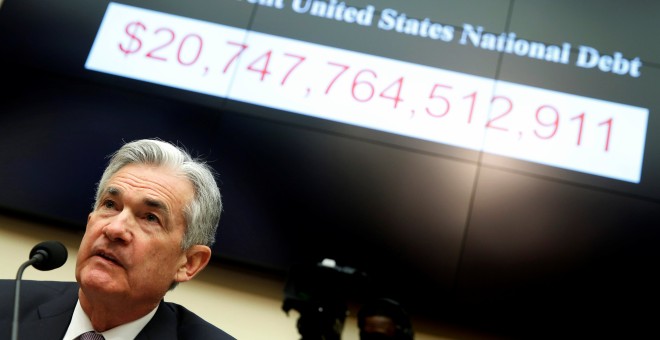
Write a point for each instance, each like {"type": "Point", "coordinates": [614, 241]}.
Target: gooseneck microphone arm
{"type": "Point", "coordinates": [17, 291]}
{"type": "Point", "coordinates": [46, 255]}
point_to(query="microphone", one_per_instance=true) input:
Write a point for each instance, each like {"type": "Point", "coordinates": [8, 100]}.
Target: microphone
{"type": "Point", "coordinates": [46, 255]}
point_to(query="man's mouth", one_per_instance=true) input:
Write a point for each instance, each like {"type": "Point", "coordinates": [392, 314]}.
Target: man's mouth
{"type": "Point", "coordinates": [108, 257]}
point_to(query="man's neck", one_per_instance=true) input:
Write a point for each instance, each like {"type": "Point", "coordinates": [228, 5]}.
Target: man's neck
{"type": "Point", "coordinates": [106, 313]}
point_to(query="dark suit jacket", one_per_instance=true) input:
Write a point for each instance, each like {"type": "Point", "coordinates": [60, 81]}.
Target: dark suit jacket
{"type": "Point", "coordinates": [46, 308]}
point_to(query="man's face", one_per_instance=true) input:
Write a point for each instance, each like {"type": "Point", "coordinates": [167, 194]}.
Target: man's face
{"type": "Point", "coordinates": [132, 244]}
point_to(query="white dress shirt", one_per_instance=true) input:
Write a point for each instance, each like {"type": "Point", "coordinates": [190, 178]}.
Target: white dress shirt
{"type": "Point", "coordinates": [80, 324]}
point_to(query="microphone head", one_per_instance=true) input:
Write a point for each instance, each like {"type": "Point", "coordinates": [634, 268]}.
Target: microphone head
{"type": "Point", "coordinates": [54, 255]}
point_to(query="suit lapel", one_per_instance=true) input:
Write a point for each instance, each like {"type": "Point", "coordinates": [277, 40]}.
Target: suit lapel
{"type": "Point", "coordinates": [163, 326]}
{"type": "Point", "coordinates": [54, 317]}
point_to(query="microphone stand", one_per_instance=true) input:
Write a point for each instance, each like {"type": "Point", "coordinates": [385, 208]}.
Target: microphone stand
{"type": "Point", "coordinates": [38, 257]}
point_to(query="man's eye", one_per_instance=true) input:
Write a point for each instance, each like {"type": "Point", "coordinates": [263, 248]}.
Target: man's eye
{"type": "Point", "coordinates": [152, 218]}
{"type": "Point", "coordinates": [108, 204]}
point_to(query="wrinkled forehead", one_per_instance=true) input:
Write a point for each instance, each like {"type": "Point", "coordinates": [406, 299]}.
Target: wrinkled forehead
{"type": "Point", "coordinates": [157, 182]}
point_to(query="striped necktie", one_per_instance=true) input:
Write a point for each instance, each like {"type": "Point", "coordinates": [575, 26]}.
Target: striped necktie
{"type": "Point", "coordinates": [91, 336]}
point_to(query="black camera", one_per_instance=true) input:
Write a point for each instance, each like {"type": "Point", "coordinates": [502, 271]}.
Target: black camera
{"type": "Point", "coordinates": [319, 292]}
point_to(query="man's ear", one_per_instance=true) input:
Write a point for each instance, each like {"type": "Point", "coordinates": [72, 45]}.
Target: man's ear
{"type": "Point", "coordinates": [197, 257]}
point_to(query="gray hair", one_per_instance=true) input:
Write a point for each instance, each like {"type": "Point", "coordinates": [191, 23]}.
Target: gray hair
{"type": "Point", "coordinates": [202, 213]}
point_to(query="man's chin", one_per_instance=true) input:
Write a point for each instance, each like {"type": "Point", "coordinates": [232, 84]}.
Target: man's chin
{"type": "Point", "coordinates": [100, 281]}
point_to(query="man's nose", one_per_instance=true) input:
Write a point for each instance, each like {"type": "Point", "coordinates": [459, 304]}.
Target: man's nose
{"type": "Point", "coordinates": [120, 228]}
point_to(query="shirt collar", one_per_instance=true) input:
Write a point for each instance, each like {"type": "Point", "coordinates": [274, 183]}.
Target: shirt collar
{"type": "Point", "coordinates": [80, 324]}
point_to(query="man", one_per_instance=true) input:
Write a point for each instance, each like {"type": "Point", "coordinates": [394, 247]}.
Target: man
{"type": "Point", "coordinates": [152, 226]}
{"type": "Point", "coordinates": [383, 319]}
